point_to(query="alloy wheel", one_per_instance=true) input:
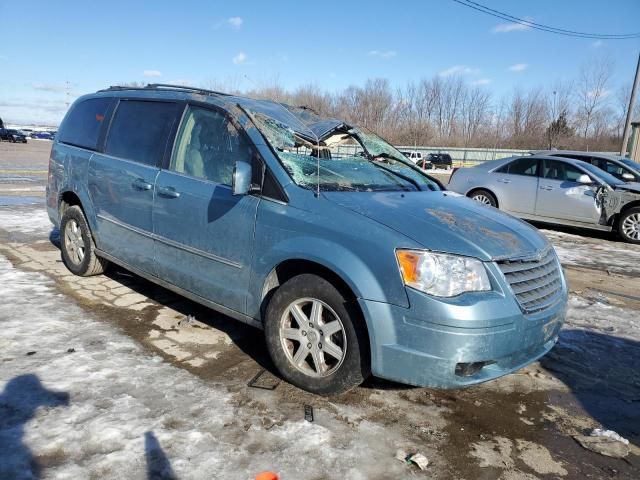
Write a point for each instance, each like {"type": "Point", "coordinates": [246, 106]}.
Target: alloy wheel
{"type": "Point", "coordinates": [481, 198]}
{"type": "Point", "coordinates": [74, 242]}
{"type": "Point", "coordinates": [313, 337]}
{"type": "Point", "coordinates": [631, 226]}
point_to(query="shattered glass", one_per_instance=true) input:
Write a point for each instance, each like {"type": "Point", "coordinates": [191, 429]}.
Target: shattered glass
{"type": "Point", "coordinates": [322, 165]}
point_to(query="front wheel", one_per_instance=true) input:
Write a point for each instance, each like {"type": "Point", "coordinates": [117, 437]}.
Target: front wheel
{"type": "Point", "coordinates": [485, 197]}
{"type": "Point", "coordinates": [315, 337]}
{"type": "Point", "coordinates": [629, 226]}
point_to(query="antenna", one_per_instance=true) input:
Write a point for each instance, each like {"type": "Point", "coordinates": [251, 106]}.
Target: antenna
{"type": "Point", "coordinates": [68, 93]}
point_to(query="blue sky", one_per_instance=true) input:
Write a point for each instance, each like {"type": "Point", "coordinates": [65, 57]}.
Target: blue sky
{"type": "Point", "coordinates": [330, 44]}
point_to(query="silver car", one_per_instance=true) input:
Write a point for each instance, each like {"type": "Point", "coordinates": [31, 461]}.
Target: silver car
{"type": "Point", "coordinates": [554, 190]}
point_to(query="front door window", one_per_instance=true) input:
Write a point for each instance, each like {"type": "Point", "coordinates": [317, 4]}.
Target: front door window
{"type": "Point", "coordinates": [208, 145]}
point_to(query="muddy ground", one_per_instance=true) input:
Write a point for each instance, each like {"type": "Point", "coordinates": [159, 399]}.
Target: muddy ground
{"type": "Point", "coordinates": [520, 426]}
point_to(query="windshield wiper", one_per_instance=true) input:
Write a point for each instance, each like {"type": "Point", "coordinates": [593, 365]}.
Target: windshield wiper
{"type": "Point", "coordinates": [393, 172]}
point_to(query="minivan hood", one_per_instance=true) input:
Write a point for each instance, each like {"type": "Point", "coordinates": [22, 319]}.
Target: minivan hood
{"type": "Point", "coordinates": [447, 222]}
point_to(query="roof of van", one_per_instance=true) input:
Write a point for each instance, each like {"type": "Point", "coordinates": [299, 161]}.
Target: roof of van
{"type": "Point", "coordinates": [303, 120]}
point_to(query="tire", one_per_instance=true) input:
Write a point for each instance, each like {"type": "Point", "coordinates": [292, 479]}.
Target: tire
{"type": "Point", "coordinates": [629, 225]}
{"type": "Point", "coordinates": [485, 197]}
{"type": "Point", "coordinates": [348, 364]}
{"type": "Point", "coordinates": [77, 246]}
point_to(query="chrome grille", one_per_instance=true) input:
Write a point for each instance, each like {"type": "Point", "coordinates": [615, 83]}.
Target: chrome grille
{"type": "Point", "coordinates": [536, 282]}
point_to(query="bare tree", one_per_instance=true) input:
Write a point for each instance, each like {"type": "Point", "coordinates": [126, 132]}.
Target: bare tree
{"type": "Point", "coordinates": [592, 91]}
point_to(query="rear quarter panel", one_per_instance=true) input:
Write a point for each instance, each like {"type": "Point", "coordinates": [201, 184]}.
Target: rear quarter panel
{"type": "Point", "coordinates": [68, 169]}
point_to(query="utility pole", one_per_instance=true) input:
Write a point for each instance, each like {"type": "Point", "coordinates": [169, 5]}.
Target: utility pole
{"type": "Point", "coordinates": [632, 102]}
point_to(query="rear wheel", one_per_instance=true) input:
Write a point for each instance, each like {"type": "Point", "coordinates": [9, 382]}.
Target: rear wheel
{"type": "Point", "coordinates": [485, 197]}
{"type": "Point", "coordinates": [315, 337]}
{"type": "Point", "coordinates": [76, 244]}
{"type": "Point", "coordinates": [629, 226]}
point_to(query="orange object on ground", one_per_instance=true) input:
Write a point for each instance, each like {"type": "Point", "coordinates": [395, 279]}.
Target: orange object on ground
{"type": "Point", "coordinates": [267, 476]}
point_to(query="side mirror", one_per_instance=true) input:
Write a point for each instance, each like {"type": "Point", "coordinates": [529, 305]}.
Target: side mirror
{"type": "Point", "coordinates": [585, 180]}
{"type": "Point", "coordinates": [241, 180]}
{"type": "Point", "coordinates": [628, 176]}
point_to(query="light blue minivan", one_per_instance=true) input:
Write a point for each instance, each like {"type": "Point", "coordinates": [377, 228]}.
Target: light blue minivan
{"type": "Point", "coordinates": [350, 258]}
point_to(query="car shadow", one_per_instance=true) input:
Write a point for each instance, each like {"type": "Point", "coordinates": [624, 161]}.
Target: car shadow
{"type": "Point", "coordinates": [21, 398]}
{"type": "Point", "coordinates": [601, 370]}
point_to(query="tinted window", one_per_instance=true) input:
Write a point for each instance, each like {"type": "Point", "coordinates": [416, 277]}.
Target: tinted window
{"type": "Point", "coordinates": [84, 123]}
{"type": "Point", "coordinates": [208, 145]}
{"type": "Point", "coordinates": [522, 166]}
{"type": "Point", "coordinates": [556, 170]}
{"type": "Point", "coordinates": [140, 130]}
{"type": "Point", "coordinates": [613, 168]}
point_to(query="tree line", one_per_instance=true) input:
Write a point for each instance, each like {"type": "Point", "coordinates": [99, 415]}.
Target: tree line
{"type": "Point", "coordinates": [584, 113]}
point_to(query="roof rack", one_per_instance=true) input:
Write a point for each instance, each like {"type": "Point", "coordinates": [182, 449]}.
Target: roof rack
{"type": "Point", "coordinates": [165, 86]}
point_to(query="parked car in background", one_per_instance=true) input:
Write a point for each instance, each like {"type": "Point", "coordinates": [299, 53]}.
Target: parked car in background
{"type": "Point", "coordinates": [554, 190]}
{"type": "Point", "coordinates": [351, 264]}
{"type": "Point", "coordinates": [440, 160]}
{"type": "Point", "coordinates": [43, 136]}
{"type": "Point", "coordinates": [11, 135]}
{"type": "Point", "coordinates": [413, 156]}
{"type": "Point", "coordinates": [620, 167]}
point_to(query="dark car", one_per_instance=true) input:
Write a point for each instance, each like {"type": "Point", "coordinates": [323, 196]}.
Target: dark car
{"type": "Point", "coordinates": [440, 160]}
{"type": "Point", "coordinates": [11, 135]}
{"type": "Point", "coordinates": [620, 167]}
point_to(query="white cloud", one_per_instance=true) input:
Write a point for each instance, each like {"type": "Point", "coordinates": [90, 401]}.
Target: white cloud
{"type": "Point", "coordinates": [601, 93]}
{"type": "Point", "coordinates": [510, 27]}
{"type": "Point", "coordinates": [382, 53]}
{"type": "Point", "coordinates": [481, 81]}
{"type": "Point", "coordinates": [152, 73]}
{"type": "Point", "coordinates": [235, 22]}
{"type": "Point", "coordinates": [240, 58]}
{"type": "Point", "coordinates": [518, 67]}
{"type": "Point", "coordinates": [48, 87]}
{"type": "Point", "coordinates": [597, 43]}
{"type": "Point", "coordinates": [459, 70]}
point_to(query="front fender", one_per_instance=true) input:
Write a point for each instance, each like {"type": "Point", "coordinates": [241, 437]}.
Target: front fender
{"type": "Point", "coordinates": [361, 255]}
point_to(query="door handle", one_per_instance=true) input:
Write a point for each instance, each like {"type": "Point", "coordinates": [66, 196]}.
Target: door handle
{"type": "Point", "coordinates": [168, 192]}
{"type": "Point", "coordinates": [546, 187]}
{"type": "Point", "coordinates": [504, 180]}
{"type": "Point", "coordinates": [141, 184]}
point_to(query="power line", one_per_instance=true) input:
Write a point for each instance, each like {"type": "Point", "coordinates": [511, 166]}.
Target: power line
{"type": "Point", "coordinates": [546, 28]}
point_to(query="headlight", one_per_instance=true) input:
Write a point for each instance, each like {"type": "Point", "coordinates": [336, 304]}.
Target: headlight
{"type": "Point", "coordinates": [440, 274]}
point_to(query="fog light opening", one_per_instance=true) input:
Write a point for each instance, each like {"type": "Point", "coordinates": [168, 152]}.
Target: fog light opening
{"type": "Point", "coordinates": [469, 369]}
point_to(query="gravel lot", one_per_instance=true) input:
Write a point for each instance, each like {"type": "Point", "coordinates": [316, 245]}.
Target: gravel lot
{"type": "Point", "coordinates": [114, 377]}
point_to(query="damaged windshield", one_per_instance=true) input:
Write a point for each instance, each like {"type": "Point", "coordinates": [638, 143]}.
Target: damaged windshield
{"type": "Point", "coordinates": [342, 159]}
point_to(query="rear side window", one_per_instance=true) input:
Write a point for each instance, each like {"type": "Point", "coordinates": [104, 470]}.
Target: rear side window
{"type": "Point", "coordinates": [522, 166]}
{"type": "Point", "coordinates": [84, 123]}
{"type": "Point", "coordinates": [140, 130]}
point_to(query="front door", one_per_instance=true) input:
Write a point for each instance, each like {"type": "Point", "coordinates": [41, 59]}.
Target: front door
{"type": "Point", "coordinates": [561, 196]}
{"type": "Point", "coordinates": [203, 233]}
{"type": "Point", "coordinates": [121, 179]}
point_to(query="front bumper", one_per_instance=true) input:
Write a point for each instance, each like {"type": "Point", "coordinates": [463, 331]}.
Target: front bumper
{"type": "Point", "coordinates": [422, 345]}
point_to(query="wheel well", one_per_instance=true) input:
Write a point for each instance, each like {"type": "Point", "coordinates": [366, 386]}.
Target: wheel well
{"type": "Point", "coordinates": [615, 219]}
{"type": "Point", "coordinates": [473, 190]}
{"type": "Point", "coordinates": [291, 268]}
{"type": "Point", "coordinates": [67, 200]}
{"type": "Point", "coordinates": [635, 203]}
